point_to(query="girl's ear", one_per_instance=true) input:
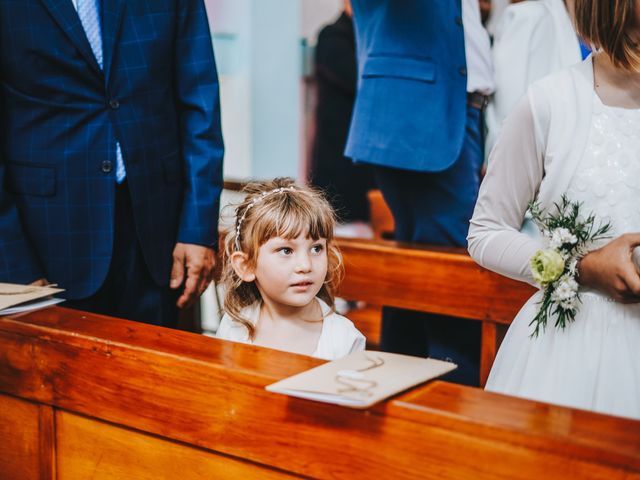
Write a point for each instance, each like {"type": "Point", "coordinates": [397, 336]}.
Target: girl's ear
{"type": "Point", "coordinates": [240, 264]}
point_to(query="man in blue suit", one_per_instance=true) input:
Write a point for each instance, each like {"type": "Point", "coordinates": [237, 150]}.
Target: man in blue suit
{"type": "Point", "coordinates": [424, 74]}
{"type": "Point", "coordinates": [110, 152]}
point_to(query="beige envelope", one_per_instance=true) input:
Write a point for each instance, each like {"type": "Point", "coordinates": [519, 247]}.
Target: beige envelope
{"type": "Point", "coordinates": [25, 297]}
{"type": "Point", "coordinates": [361, 379]}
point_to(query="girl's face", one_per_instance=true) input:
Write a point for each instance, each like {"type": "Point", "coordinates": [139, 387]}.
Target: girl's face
{"type": "Point", "coordinates": [291, 272]}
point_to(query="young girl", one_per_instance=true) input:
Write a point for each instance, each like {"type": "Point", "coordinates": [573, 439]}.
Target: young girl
{"type": "Point", "coordinates": [577, 133]}
{"type": "Point", "coordinates": [281, 271]}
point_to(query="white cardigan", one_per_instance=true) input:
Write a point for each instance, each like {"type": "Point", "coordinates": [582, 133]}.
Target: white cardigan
{"type": "Point", "coordinates": [533, 39]}
{"type": "Point", "coordinates": [539, 149]}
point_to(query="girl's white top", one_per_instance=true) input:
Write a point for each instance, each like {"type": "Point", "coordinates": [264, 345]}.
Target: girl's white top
{"type": "Point", "coordinates": [338, 338]}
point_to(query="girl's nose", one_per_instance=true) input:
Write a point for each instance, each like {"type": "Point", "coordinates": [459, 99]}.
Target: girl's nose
{"type": "Point", "coordinates": [303, 264]}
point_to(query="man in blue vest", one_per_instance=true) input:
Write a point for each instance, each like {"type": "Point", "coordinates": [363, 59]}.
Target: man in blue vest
{"type": "Point", "coordinates": [424, 76]}
{"type": "Point", "coordinates": [110, 152]}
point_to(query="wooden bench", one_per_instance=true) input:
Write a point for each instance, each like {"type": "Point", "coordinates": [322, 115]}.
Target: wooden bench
{"type": "Point", "coordinates": [86, 396]}
{"type": "Point", "coordinates": [432, 279]}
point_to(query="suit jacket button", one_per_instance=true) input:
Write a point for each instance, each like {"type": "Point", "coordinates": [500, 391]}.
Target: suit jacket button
{"type": "Point", "coordinates": [106, 166]}
{"type": "Point", "coordinates": [114, 103]}
{"type": "Point", "coordinates": [458, 20]}
{"type": "Point", "coordinates": [463, 71]}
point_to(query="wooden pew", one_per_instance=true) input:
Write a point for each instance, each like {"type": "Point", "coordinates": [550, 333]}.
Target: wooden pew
{"type": "Point", "coordinates": [87, 396]}
{"type": "Point", "coordinates": [432, 279]}
{"type": "Point", "coordinates": [381, 218]}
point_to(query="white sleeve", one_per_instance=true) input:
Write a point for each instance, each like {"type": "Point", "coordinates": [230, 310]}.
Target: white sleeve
{"type": "Point", "coordinates": [225, 329]}
{"type": "Point", "coordinates": [359, 342]}
{"type": "Point", "coordinates": [346, 337]}
{"type": "Point", "coordinates": [520, 56]}
{"type": "Point", "coordinates": [514, 173]}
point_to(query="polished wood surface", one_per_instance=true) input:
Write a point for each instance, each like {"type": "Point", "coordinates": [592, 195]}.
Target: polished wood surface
{"type": "Point", "coordinates": [368, 319]}
{"type": "Point", "coordinates": [381, 218]}
{"type": "Point", "coordinates": [430, 279]}
{"type": "Point", "coordinates": [441, 280]}
{"type": "Point", "coordinates": [88, 448]}
{"type": "Point", "coordinates": [25, 447]}
{"type": "Point", "coordinates": [209, 395]}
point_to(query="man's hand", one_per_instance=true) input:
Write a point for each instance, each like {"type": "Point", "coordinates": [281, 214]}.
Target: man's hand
{"type": "Point", "coordinates": [611, 270]}
{"type": "Point", "coordinates": [41, 282]}
{"type": "Point", "coordinates": [196, 263]}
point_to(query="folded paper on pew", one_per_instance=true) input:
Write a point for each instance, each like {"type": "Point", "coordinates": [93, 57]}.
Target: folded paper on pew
{"type": "Point", "coordinates": [362, 379]}
{"type": "Point", "coordinates": [15, 298]}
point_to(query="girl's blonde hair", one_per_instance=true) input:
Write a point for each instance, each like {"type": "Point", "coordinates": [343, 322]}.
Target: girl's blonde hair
{"type": "Point", "coordinates": [610, 25]}
{"type": "Point", "coordinates": [277, 208]}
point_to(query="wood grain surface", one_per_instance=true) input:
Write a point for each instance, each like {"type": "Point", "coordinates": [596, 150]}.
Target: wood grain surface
{"type": "Point", "coordinates": [209, 395]}
{"type": "Point", "coordinates": [429, 279]}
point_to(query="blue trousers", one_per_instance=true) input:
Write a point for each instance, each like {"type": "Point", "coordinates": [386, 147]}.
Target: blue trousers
{"type": "Point", "coordinates": [435, 208]}
{"type": "Point", "coordinates": [128, 290]}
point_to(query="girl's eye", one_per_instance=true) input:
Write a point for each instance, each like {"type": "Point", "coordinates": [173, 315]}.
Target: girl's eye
{"type": "Point", "coordinates": [285, 251]}
{"type": "Point", "coordinates": [317, 248]}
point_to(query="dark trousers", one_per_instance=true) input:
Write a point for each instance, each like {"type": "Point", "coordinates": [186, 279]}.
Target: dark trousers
{"type": "Point", "coordinates": [435, 208]}
{"type": "Point", "coordinates": [128, 290]}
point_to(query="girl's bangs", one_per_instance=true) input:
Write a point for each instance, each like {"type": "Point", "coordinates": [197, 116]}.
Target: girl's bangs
{"type": "Point", "coordinates": [295, 218]}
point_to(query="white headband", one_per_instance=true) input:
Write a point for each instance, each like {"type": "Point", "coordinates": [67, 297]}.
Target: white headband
{"type": "Point", "coordinates": [254, 202]}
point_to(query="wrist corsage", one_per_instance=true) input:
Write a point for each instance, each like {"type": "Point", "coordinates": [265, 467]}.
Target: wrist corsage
{"type": "Point", "coordinates": [569, 234]}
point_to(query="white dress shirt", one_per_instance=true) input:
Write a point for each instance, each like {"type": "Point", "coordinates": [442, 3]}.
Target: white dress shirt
{"type": "Point", "coordinates": [477, 50]}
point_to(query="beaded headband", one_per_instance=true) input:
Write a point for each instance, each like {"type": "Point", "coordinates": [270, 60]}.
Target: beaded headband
{"type": "Point", "coordinates": [254, 202]}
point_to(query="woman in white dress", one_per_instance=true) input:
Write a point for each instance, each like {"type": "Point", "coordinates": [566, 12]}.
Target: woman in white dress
{"type": "Point", "coordinates": [576, 133]}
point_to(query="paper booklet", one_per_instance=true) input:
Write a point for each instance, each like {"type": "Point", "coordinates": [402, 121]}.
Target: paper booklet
{"type": "Point", "coordinates": [361, 379]}
{"type": "Point", "coordinates": [16, 298]}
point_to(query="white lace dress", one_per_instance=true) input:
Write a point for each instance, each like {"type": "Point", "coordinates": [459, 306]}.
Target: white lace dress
{"type": "Point", "coordinates": [595, 362]}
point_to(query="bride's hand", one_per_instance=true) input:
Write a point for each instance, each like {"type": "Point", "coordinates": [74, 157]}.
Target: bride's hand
{"type": "Point", "coordinates": [611, 270]}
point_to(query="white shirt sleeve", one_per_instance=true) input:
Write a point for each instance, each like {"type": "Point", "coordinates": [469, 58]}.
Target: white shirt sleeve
{"type": "Point", "coordinates": [340, 337]}
{"type": "Point", "coordinates": [224, 329]}
{"type": "Point", "coordinates": [514, 174]}
{"type": "Point", "coordinates": [359, 341]}
{"type": "Point", "coordinates": [521, 53]}
{"type": "Point", "coordinates": [232, 330]}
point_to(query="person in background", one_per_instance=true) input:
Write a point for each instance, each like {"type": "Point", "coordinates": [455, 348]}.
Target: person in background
{"type": "Point", "coordinates": [344, 183]}
{"type": "Point", "coordinates": [110, 152]}
{"type": "Point", "coordinates": [534, 38]}
{"type": "Point", "coordinates": [282, 268]}
{"type": "Point", "coordinates": [425, 74]}
{"type": "Point", "coordinates": [496, 8]}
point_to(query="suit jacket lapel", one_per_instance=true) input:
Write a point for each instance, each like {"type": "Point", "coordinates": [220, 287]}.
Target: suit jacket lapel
{"type": "Point", "coordinates": [67, 18]}
{"type": "Point", "coordinates": [111, 21]}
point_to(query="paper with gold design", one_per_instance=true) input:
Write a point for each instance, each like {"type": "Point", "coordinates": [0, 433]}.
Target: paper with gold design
{"type": "Point", "coordinates": [362, 379]}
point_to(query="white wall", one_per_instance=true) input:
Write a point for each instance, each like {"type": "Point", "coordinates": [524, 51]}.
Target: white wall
{"type": "Point", "coordinates": [316, 14]}
{"type": "Point", "coordinates": [259, 50]}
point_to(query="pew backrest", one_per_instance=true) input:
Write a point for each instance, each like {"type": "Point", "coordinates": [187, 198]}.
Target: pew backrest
{"type": "Point", "coordinates": [435, 280]}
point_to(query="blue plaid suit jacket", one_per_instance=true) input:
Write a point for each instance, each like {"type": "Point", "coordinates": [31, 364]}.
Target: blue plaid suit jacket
{"type": "Point", "coordinates": [60, 119]}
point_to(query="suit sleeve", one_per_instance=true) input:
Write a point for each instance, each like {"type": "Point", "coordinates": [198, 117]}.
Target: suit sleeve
{"type": "Point", "coordinates": [18, 263]}
{"type": "Point", "coordinates": [198, 106]}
